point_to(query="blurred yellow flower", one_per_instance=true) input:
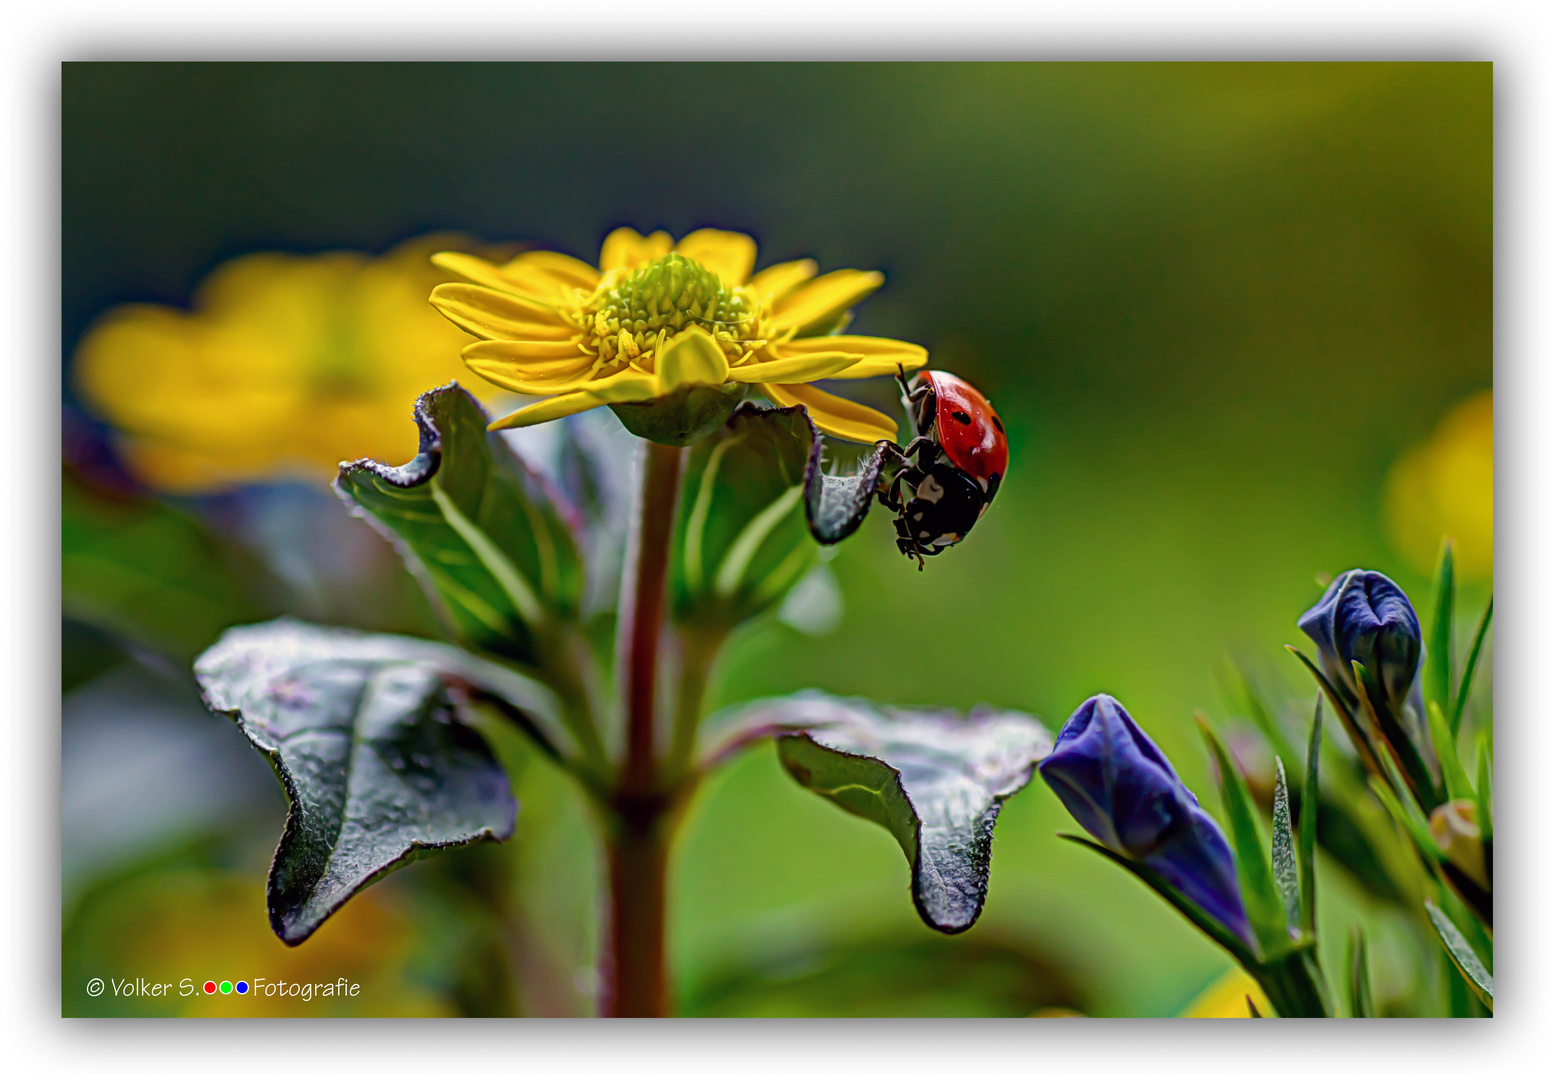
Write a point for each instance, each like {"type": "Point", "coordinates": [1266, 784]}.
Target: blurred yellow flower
{"type": "Point", "coordinates": [1226, 998]}
{"type": "Point", "coordinates": [657, 315]}
{"type": "Point", "coordinates": [1445, 487]}
{"type": "Point", "coordinates": [286, 366]}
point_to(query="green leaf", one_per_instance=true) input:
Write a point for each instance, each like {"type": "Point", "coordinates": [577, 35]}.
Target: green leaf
{"type": "Point", "coordinates": [1438, 660]}
{"type": "Point", "coordinates": [1463, 956]}
{"type": "Point", "coordinates": [1453, 775]}
{"type": "Point", "coordinates": [740, 537]}
{"type": "Point", "coordinates": [1407, 815]}
{"type": "Point", "coordinates": [836, 503]}
{"type": "Point", "coordinates": [1397, 740]}
{"type": "Point", "coordinates": [1306, 842]}
{"type": "Point", "coordinates": [363, 731]}
{"type": "Point", "coordinates": [150, 573]}
{"type": "Point", "coordinates": [1360, 976]}
{"type": "Point", "coordinates": [477, 526]}
{"type": "Point", "coordinates": [1283, 855]}
{"type": "Point", "coordinates": [934, 779]}
{"type": "Point", "coordinates": [1210, 926]}
{"type": "Point", "coordinates": [1467, 682]}
{"type": "Point", "coordinates": [1265, 907]}
{"type": "Point", "coordinates": [1482, 791]}
{"type": "Point", "coordinates": [1359, 737]}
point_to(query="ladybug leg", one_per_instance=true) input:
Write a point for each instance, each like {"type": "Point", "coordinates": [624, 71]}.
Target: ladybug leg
{"type": "Point", "coordinates": [919, 445]}
{"type": "Point", "coordinates": [905, 543]}
{"type": "Point", "coordinates": [912, 396]}
{"type": "Point", "coordinates": [903, 457]}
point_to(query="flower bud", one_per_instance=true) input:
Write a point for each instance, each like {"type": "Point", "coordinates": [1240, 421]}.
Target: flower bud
{"type": "Point", "coordinates": [692, 398]}
{"type": "Point", "coordinates": [1365, 618]}
{"type": "Point", "coordinates": [1123, 791]}
{"type": "Point", "coordinates": [1456, 832]}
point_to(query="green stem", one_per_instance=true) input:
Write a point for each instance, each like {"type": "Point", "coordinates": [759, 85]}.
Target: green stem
{"type": "Point", "coordinates": [640, 818]}
{"type": "Point", "coordinates": [699, 649]}
{"type": "Point", "coordinates": [572, 675]}
{"type": "Point", "coordinates": [1294, 984]}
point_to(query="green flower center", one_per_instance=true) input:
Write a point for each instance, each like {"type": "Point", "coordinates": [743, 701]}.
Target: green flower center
{"type": "Point", "coordinates": [627, 319]}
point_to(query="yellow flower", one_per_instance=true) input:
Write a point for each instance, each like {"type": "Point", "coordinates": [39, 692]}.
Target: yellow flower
{"type": "Point", "coordinates": [656, 316]}
{"type": "Point", "coordinates": [1445, 487]}
{"type": "Point", "coordinates": [286, 366]}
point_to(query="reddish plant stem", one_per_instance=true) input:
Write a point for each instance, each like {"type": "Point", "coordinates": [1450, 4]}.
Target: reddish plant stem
{"type": "Point", "coordinates": [661, 484]}
{"type": "Point", "coordinates": [634, 982]}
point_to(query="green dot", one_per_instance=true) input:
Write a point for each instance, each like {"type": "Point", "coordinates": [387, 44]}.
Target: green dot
{"type": "Point", "coordinates": [226, 987]}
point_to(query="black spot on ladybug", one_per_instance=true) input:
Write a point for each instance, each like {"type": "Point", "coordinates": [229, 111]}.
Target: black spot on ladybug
{"type": "Point", "coordinates": [960, 417]}
{"type": "Point", "coordinates": [998, 425]}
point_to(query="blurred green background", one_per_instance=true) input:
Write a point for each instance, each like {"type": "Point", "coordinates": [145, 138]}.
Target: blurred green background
{"type": "Point", "coordinates": [1213, 304]}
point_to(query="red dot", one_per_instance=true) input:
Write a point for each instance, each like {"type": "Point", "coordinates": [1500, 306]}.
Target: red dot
{"type": "Point", "coordinates": [210, 988]}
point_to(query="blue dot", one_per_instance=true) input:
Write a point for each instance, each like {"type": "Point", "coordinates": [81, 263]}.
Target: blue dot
{"type": "Point", "coordinates": [242, 987]}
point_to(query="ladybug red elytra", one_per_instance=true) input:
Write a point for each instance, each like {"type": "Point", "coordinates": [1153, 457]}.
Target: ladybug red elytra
{"type": "Point", "coordinates": [953, 467]}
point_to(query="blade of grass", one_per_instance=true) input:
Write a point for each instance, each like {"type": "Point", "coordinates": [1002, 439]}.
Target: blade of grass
{"type": "Point", "coordinates": [1283, 851]}
{"type": "Point", "coordinates": [1438, 659]}
{"type": "Point", "coordinates": [1306, 844]}
{"type": "Point", "coordinates": [1358, 736]}
{"type": "Point", "coordinates": [1482, 789]}
{"type": "Point", "coordinates": [1466, 683]}
{"type": "Point", "coordinates": [1360, 976]}
{"type": "Point", "coordinates": [1413, 823]}
{"type": "Point", "coordinates": [1265, 909]}
{"type": "Point", "coordinates": [1397, 741]}
{"type": "Point", "coordinates": [1453, 775]}
{"type": "Point", "coordinates": [1464, 959]}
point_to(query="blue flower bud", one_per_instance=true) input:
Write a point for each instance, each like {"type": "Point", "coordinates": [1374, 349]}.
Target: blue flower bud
{"type": "Point", "coordinates": [1123, 791]}
{"type": "Point", "coordinates": [1365, 617]}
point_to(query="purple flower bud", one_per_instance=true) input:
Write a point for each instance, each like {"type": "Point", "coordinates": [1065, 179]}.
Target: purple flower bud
{"type": "Point", "coordinates": [1365, 617]}
{"type": "Point", "coordinates": [1123, 791]}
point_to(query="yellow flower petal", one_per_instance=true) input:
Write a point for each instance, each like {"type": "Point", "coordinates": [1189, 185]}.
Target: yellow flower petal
{"type": "Point", "coordinates": [797, 369]}
{"type": "Point", "coordinates": [490, 314]}
{"type": "Point", "coordinates": [627, 249]}
{"type": "Point", "coordinates": [774, 281]}
{"type": "Point", "coordinates": [545, 275]}
{"type": "Point", "coordinates": [574, 272]}
{"type": "Point", "coordinates": [534, 381]}
{"type": "Point", "coordinates": [828, 295]}
{"type": "Point", "coordinates": [472, 268]}
{"type": "Point", "coordinates": [834, 415]}
{"type": "Point", "coordinates": [691, 356]}
{"type": "Point", "coordinates": [528, 374]}
{"type": "Point", "coordinates": [525, 353]}
{"type": "Point", "coordinates": [628, 385]}
{"type": "Point", "coordinates": [877, 356]}
{"type": "Point", "coordinates": [730, 255]}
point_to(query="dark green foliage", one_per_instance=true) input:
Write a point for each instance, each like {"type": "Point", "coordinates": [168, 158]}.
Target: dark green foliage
{"type": "Point", "coordinates": [934, 779]}
{"type": "Point", "coordinates": [495, 553]}
{"type": "Point", "coordinates": [364, 732]}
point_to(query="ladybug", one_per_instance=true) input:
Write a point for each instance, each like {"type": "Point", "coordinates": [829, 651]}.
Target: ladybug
{"type": "Point", "coordinates": [951, 470]}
